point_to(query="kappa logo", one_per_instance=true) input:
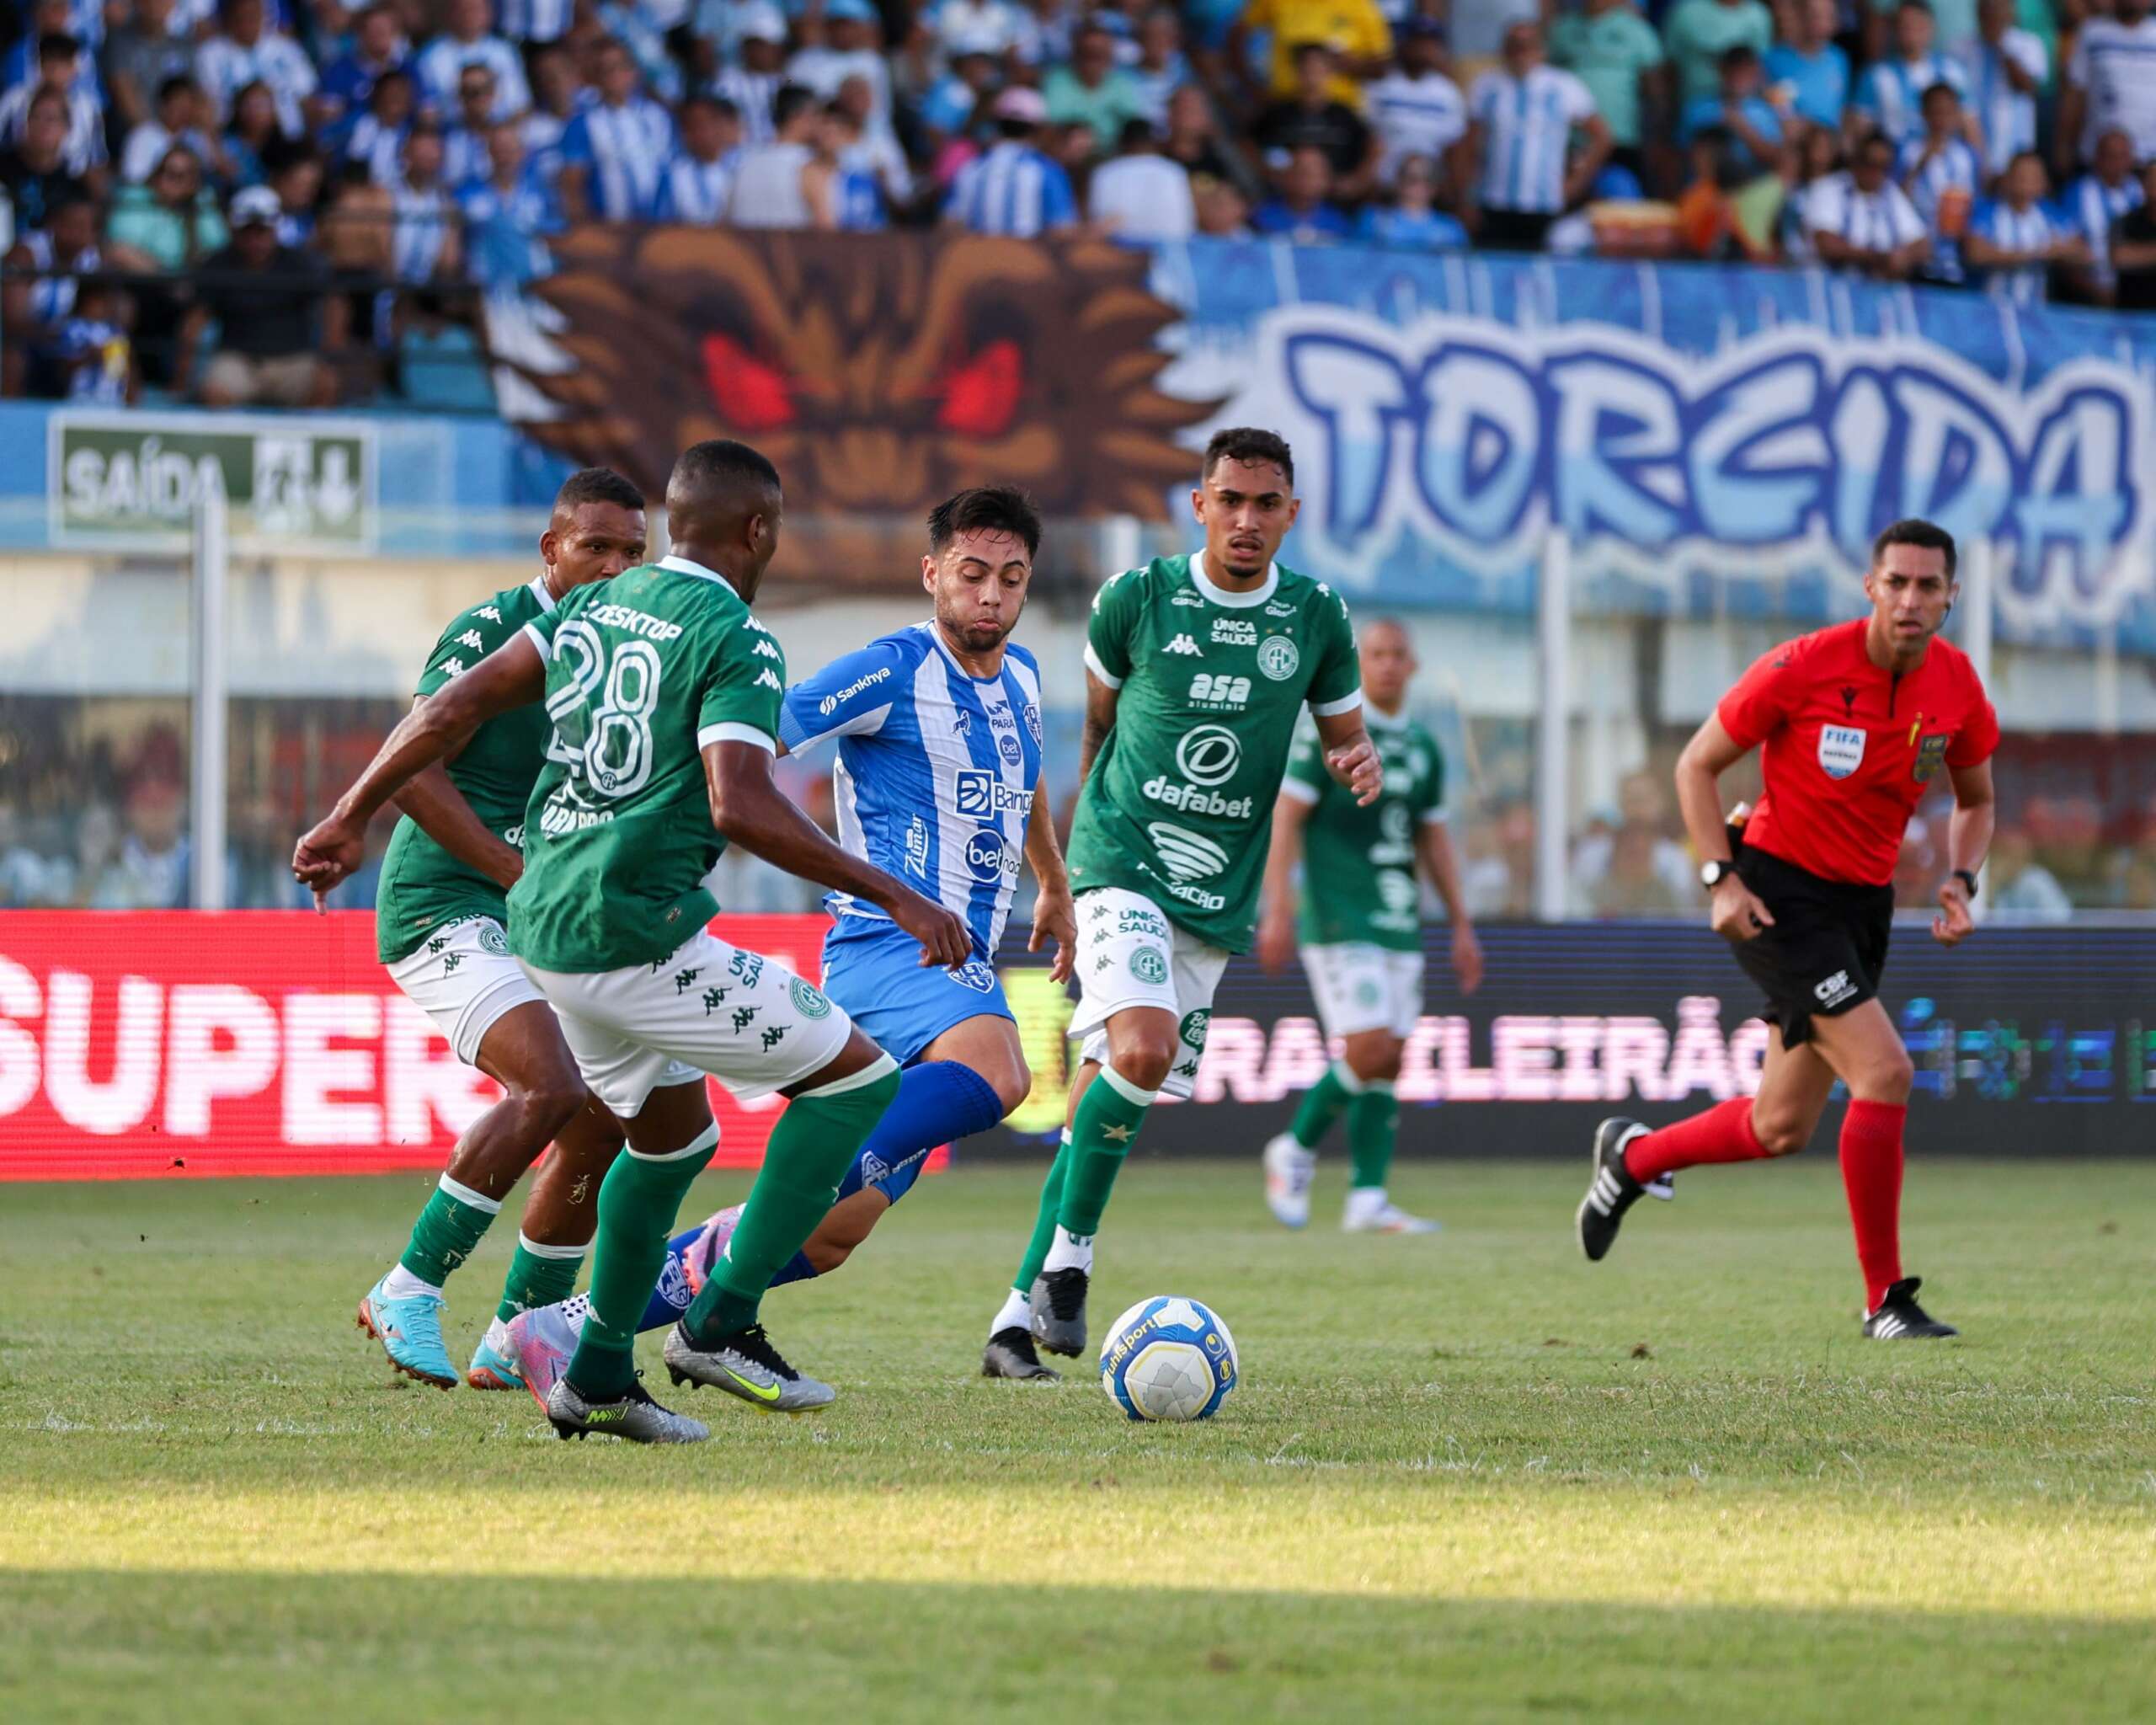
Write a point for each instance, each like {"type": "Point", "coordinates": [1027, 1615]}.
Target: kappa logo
{"type": "Point", "coordinates": [714, 998]}
{"type": "Point", "coordinates": [453, 667]}
{"type": "Point", "coordinates": [1186, 647]}
{"type": "Point", "coordinates": [471, 638]}
{"type": "Point", "coordinates": [1234, 632]}
{"type": "Point", "coordinates": [1834, 990]}
{"type": "Point", "coordinates": [765, 680]}
{"type": "Point", "coordinates": [1220, 692]}
{"type": "Point", "coordinates": [766, 649]}
{"type": "Point", "coordinates": [743, 1015]}
{"type": "Point", "coordinates": [684, 980]}
{"type": "Point", "coordinates": [490, 613]}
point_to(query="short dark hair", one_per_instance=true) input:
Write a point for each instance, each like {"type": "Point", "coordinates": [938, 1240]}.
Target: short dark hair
{"type": "Point", "coordinates": [597, 485]}
{"type": "Point", "coordinates": [704, 471]}
{"type": "Point", "coordinates": [1737, 58]}
{"type": "Point", "coordinates": [993, 509]}
{"type": "Point", "coordinates": [179, 84]}
{"type": "Point", "coordinates": [791, 99]}
{"type": "Point", "coordinates": [1940, 89]}
{"type": "Point", "coordinates": [57, 45]}
{"type": "Point", "coordinates": [1925, 536]}
{"type": "Point", "coordinates": [1248, 443]}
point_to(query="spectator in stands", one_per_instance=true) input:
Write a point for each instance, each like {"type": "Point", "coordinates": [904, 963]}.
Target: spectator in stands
{"type": "Point", "coordinates": [2020, 888]}
{"type": "Point", "coordinates": [1890, 95]}
{"type": "Point", "coordinates": [36, 297]}
{"type": "Point", "coordinates": [2007, 67]}
{"type": "Point", "coordinates": [558, 92]}
{"type": "Point", "coordinates": [1312, 119]}
{"type": "Point", "coordinates": [1411, 222]}
{"type": "Point", "coordinates": [465, 152]}
{"type": "Point", "coordinates": [2016, 239]}
{"type": "Point", "coordinates": [1141, 194]}
{"type": "Point", "coordinates": [1304, 211]}
{"type": "Point", "coordinates": [964, 27]}
{"type": "Point", "coordinates": [1697, 33]}
{"type": "Point", "coordinates": [1046, 31]}
{"type": "Point", "coordinates": [1809, 65]}
{"type": "Point", "coordinates": [378, 46]}
{"type": "Point", "coordinates": [1161, 68]}
{"type": "Point", "coordinates": [532, 23]}
{"type": "Point", "coordinates": [1862, 221]}
{"type": "Point", "coordinates": [181, 118]}
{"type": "Point", "coordinates": [754, 85]}
{"type": "Point", "coordinates": [1357, 28]}
{"type": "Point", "coordinates": [857, 201]}
{"type": "Point", "coordinates": [2108, 191]}
{"type": "Point", "coordinates": [468, 41]}
{"type": "Point", "coordinates": [58, 78]}
{"type": "Point", "coordinates": [1616, 53]}
{"type": "Point", "coordinates": [425, 247]}
{"type": "Point", "coordinates": [150, 872]}
{"type": "Point", "coordinates": [952, 109]}
{"type": "Point", "coordinates": [787, 183]}
{"type": "Point", "coordinates": [510, 213]}
{"type": "Point", "coordinates": [267, 301]}
{"type": "Point", "coordinates": [615, 152]}
{"type": "Point", "coordinates": [1816, 155]}
{"type": "Point", "coordinates": [1223, 211]}
{"type": "Point", "coordinates": [1522, 115]}
{"type": "Point", "coordinates": [1741, 108]}
{"type": "Point", "coordinates": [248, 51]}
{"type": "Point", "coordinates": [1415, 108]}
{"type": "Point", "coordinates": [853, 48]}
{"type": "Point", "coordinates": [697, 183]}
{"type": "Point", "coordinates": [376, 138]}
{"type": "Point", "coordinates": [1636, 869]}
{"type": "Point", "coordinates": [1944, 178]}
{"type": "Point", "coordinates": [2110, 81]}
{"type": "Point", "coordinates": [629, 23]}
{"type": "Point", "coordinates": [297, 179]}
{"type": "Point", "coordinates": [868, 148]}
{"type": "Point", "coordinates": [91, 357]}
{"type": "Point", "coordinates": [1193, 142]}
{"type": "Point", "coordinates": [1092, 91]}
{"type": "Point", "coordinates": [1014, 188]}
{"type": "Point", "coordinates": [33, 168]}
{"type": "Point", "coordinates": [137, 58]}
{"type": "Point", "coordinates": [255, 137]}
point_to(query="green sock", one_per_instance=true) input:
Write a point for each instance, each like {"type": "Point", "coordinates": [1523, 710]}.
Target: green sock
{"type": "Point", "coordinates": [1373, 1124]}
{"type": "Point", "coordinates": [448, 1229]}
{"type": "Point", "coordinates": [1029, 1267]}
{"type": "Point", "coordinates": [1101, 1133]}
{"type": "Point", "coordinates": [638, 1202]}
{"type": "Point", "coordinates": [538, 1275]}
{"type": "Point", "coordinates": [812, 1146]}
{"type": "Point", "coordinates": [1321, 1105]}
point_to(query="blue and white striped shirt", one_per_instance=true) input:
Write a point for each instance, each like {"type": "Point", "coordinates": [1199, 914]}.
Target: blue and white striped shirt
{"type": "Point", "coordinates": [2008, 117]}
{"type": "Point", "coordinates": [2017, 231]}
{"type": "Point", "coordinates": [1891, 92]}
{"type": "Point", "coordinates": [52, 297]}
{"type": "Point", "coordinates": [441, 65]}
{"type": "Point", "coordinates": [694, 192]}
{"type": "Point", "coordinates": [626, 150]}
{"type": "Point", "coordinates": [937, 770]}
{"type": "Point", "coordinates": [419, 231]}
{"type": "Point", "coordinates": [381, 147]}
{"type": "Point", "coordinates": [505, 231]}
{"type": "Point", "coordinates": [2115, 63]}
{"type": "Point", "coordinates": [2093, 206]}
{"type": "Point", "coordinates": [1527, 125]}
{"type": "Point", "coordinates": [751, 92]}
{"type": "Point", "coordinates": [535, 20]}
{"type": "Point", "coordinates": [1954, 167]}
{"type": "Point", "coordinates": [1014, 190]}
{"type": "Point", "coordinates": [464, 157]}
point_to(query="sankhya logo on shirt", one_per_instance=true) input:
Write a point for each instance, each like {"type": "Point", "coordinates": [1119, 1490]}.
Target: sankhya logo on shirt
{"type": "Point", "coordinates": [830, 703]}
{"type": "Point", "coordinates": [1184, 646]}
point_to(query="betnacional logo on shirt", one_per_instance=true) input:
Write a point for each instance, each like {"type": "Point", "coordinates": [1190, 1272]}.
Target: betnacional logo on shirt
{"type": "Point", "coordinates": [1841, 750]}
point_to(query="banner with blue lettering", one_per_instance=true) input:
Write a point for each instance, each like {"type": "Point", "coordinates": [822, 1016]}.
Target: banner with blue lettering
{"type": "Point", "coordinates": [1682, 424]}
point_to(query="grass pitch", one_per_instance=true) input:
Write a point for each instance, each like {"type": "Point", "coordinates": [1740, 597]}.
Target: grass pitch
{"type": "Point", "coordinates": [1467, 1477]}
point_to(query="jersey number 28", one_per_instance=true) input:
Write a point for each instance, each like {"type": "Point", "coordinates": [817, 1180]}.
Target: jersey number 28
{"type": "Point", "coordinates": [602, 715]}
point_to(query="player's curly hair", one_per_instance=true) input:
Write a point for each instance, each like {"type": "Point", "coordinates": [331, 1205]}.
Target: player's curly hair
{"type": "Point", "coordinates": [597, 485]}
{"type": "Point", "coordinates": [1248, 443]}
{"type": "Point", "coordinates": [990, 509]}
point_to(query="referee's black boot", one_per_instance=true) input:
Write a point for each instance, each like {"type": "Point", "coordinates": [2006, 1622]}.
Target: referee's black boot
{"type": "Point", "coordinates": [1612, 1190]}
{"type": "Point", "coordinates": [1901, 1319]}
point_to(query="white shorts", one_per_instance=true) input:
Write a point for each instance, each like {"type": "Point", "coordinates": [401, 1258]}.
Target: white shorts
{"type": "Point", "coordinates": [1129, 954]}
{"type": "Point", "coordinates": [462, 977]}
{"type": "Point", "coordinates": [1360, 986]}
{"type": "Point", "coordinates": [707, 1007]}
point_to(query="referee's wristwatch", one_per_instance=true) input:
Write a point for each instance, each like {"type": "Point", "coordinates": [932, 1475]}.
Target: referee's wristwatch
{"type": "Point", "coordinates": [1968, 881]}
{"type": "Point", "coordinates": [1714, 873]}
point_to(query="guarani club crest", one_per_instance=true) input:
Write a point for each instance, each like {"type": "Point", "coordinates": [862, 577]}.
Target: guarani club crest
{"type": "Point", "coordinates": [873, 369]}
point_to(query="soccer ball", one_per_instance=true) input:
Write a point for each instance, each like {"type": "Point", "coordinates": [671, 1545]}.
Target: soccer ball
{"type": "Point", "coordinates": [1168, 1357]}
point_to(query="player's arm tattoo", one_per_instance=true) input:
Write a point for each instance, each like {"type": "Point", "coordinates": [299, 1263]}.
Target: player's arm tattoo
{"type": "Point", "coordinates": [1100, 720]}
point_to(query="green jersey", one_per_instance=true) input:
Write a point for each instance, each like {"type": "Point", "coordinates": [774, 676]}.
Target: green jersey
{"type": "Point", "coordinates": [643, 673]}
{"type": "Point", "coordinates": [423, 887]}
{"type": "Point", "coordinates": [1359, 864]}
{"type": "Point", "coordinates": [1179, 804]}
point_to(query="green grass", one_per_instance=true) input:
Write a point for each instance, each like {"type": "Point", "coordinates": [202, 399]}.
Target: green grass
{"type": "Point", "coordinates": [1469, 1477]}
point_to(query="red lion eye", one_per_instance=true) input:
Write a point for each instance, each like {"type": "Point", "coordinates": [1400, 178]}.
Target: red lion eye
{"type": "Point", "coordinates": [752, 395]}
{"type": "Point", "coordinates": [980, 397]}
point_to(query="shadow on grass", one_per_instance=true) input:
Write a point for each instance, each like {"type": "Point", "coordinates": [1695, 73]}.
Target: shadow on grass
{"type": "Point", "coordinates": [108, 1645]}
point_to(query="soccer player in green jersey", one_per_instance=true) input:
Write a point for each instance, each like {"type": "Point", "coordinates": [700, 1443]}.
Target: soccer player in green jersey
{"type": "Point", "coordinates": [664, 693]}
{"type": "Point", "coordinates": [1197, 669]}
{"type": "Point", "coordinates": [1362, 935]}
{"type": "Point", "coordinates": [440, 921]}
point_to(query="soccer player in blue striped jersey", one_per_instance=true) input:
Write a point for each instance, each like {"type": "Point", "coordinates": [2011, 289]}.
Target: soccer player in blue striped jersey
{"type": "Point", "coordinates": [938, 782]}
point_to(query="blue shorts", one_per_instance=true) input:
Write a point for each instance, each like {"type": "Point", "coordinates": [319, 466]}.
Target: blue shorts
{"type": "Point", "coordinates": [873, 969]}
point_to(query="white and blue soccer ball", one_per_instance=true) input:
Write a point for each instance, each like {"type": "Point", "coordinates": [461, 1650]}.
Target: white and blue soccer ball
{"type": "Point", "coordinates": [1168, 1357]}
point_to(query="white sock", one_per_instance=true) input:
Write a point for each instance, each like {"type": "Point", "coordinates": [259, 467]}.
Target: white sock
{"type": "Point", "coordinates": [400, 1284]}
{"type": "Point", "coordinates": [1071, 1251]}
{"type": "Point", "coordinates": [1015, 1313]}
{"type": "Point", "coordinates": [574, 1309]}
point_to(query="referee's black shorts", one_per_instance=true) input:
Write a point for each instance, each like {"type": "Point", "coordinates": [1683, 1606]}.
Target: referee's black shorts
{"type": "Point", "coordinates": [1826, 949]}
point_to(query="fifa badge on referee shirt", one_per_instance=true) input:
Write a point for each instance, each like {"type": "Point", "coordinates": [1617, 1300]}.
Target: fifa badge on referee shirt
{"type": "Point", "coordinates": [1841, 750]}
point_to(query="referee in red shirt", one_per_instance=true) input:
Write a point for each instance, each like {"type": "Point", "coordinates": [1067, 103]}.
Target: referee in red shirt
{"type": "Point", "coordinates": [1855, 723]}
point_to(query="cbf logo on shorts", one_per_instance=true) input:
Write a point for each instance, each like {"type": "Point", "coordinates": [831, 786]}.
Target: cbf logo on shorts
{"type": "Point", "coordinates": [1841, 750]}
{"type": "Point", "coordinates": [1834, 990]}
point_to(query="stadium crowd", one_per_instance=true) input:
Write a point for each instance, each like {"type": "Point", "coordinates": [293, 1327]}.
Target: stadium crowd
{"type": "Point", "coordinates": [259, 201]}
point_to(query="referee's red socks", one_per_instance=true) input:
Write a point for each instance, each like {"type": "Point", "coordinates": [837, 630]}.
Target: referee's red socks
{"type": "Point", "coordinates": [1723, 1134]}
{"type": "Point", "coordinates": [1871, 1175]}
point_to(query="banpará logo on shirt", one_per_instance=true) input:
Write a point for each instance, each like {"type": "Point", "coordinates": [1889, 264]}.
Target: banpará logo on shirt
{"type": "Point", "coordinates": [981, 793]}
{"type": "Point", "coordinates": [1841, 750]}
